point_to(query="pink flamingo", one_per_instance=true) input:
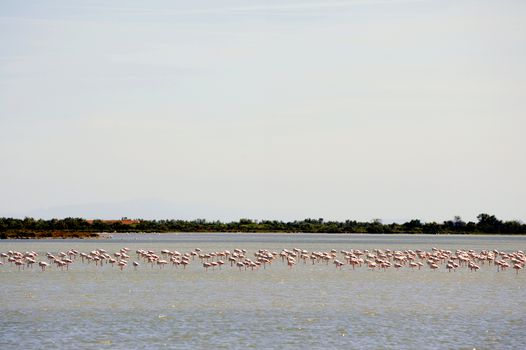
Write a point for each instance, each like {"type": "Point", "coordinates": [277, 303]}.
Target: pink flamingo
{"type": "Point", "coordinates": [43, 265]}
{"type": "Point", "coordinates": [122, 264]}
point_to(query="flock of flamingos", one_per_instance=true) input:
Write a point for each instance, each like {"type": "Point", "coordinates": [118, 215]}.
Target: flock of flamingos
{"type": "Point", "coordinates": [240, 259]}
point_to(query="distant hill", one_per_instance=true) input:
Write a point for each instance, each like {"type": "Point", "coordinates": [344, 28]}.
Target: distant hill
{"type": "Point", "coordinates": [150, 208]}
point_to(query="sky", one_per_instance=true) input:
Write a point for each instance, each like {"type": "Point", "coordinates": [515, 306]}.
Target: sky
{"type": "Point", "coordinates": [289, 109]}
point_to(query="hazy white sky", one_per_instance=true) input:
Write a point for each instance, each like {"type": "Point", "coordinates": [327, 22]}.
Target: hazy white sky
{"type": "Point", "coordinates": [392, 109]}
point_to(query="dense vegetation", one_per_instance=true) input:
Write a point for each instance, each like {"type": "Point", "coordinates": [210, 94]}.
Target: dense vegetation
{"type": "Point", "coordinates": [81, 228]}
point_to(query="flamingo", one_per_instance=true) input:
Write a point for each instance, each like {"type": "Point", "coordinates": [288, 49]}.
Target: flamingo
{"type": "Point", "coordinates": [43, 265]}
{"type": "Point", "coordinates": [375, 258]}
{"type": "Point", "coordinates": [338, 264]}
{"type": "Point", "coordinates": [122, 264]}
{"type": "Point", "coordinates": [161, 263]}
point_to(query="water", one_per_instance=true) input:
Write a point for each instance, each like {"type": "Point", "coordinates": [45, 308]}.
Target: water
{"type": "Point", "coordinates": [308, 306]}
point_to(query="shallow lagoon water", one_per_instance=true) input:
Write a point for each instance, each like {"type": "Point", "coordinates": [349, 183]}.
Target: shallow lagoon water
{"type": "Point", "coordinates": [308, 306]}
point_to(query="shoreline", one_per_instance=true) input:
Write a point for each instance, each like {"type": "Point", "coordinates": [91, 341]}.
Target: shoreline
{"type": "Point", "coordinates": [87, 228]}
{"type": "Point", "coordinates": [56, 235]}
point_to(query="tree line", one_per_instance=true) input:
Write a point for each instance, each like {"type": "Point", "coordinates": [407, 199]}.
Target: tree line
{"type": "Point", "coordinates": [79, 227]}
